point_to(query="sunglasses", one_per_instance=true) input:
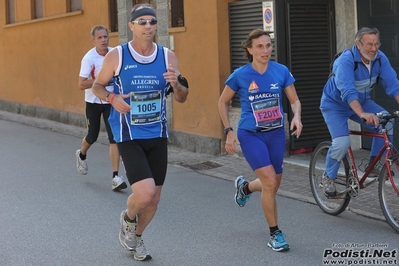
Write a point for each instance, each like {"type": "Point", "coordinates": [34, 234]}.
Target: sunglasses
{"type": "Point", "coordinates": [143, 22]}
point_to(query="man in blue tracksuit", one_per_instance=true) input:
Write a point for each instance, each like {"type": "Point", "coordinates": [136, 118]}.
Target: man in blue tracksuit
{"type": "Point", "coordinates": [346, 95]}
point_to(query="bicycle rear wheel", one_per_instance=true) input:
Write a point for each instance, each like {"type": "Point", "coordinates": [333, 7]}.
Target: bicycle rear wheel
{"type": "Point", "coordinates": [333, 206]}
{"type": "Point", "coordinates": [389, 199]}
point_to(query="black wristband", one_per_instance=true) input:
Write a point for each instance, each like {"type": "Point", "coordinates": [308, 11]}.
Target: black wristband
{"type": "Point", "coordinates": [226, 130]}
{"type": "Point", "coordinates": [183, 81]}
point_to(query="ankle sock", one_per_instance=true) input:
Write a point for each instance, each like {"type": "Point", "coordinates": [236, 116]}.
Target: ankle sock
{"type": "Point", "coordinates": [127, 219]}
{"type": "Point", "coordinates": [81, 156]}
{"type": "Point", "coordinates": [246, 190]}
{"type": "Point", "coordinates": [273, 229]}
{"type": "Point", "coordinates": [114, 174]}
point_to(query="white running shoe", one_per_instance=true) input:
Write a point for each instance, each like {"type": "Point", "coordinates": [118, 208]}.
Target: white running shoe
{"type": "Point", "coordinates": [81, 165]}
{"type": "Point", "coordinates": [140, 252]}
{"type": "Point", "coordinates": [127, 234]}
{"type": "Point", "coordinates": [118, 183]}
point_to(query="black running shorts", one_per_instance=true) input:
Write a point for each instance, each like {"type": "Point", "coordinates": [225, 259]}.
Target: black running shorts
{"type": "Point", "coordinates": [145, 158]}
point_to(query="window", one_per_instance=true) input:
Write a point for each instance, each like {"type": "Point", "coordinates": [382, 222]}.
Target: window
{"type": "Point", "coordinates": [25, 11]}
{"type": "Point", "coordinates": [113, 15]}
{"type": "Point", "coordinates": [10, 11]}
{"type": "Point", "coordinates": [38, 9]}
{"type": "Point", "coordinates": [75, 5]}
{"type": "Point", "coordinates": [177, 13]}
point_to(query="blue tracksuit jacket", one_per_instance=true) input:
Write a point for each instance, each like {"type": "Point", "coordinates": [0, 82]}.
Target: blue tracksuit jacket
{"type": "Point", "coordinates": [348, 85]}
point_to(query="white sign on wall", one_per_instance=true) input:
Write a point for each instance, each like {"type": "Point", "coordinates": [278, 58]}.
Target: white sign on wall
{"type": "Point", "coordinates": [268, 17]}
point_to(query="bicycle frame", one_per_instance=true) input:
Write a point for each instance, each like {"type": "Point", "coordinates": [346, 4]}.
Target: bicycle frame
{"type": "Point", "coordinates": [348, 183]}
{"type": "Point", "coordinates": [386, 148]}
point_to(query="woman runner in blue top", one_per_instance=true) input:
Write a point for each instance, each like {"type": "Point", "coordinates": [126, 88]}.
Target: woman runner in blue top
{"type": "Point", "coordinates": [260, 85]}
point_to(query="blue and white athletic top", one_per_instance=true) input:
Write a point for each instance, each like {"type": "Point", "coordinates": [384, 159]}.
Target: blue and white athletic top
{"type": "Point", "coordinates": [142, 78]}
{"type": "Point", "coordinates": [261, 95]}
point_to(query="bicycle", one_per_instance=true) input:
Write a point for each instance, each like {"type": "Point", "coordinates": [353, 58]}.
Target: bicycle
{"type": "Point", "coordinates": [348, 183]}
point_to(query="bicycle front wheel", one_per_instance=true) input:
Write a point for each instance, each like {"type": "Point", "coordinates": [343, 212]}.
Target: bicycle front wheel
{"type": "Point", "coordinates": [389, 198]}
{"type": "Point", "coordinates": [333, 206]}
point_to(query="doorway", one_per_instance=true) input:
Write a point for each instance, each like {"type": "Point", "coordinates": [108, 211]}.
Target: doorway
{"type": "Point", "coordinates": [384, 15]}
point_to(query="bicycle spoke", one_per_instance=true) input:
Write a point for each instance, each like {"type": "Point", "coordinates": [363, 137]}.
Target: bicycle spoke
{"type": "Point", "coordinates": [329, 205]}
{"type": "Point", "coordinates": [389, 198]}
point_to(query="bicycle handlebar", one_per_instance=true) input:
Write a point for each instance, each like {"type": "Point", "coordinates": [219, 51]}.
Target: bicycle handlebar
{"type": "Point", "coordinates": [385, 117]}
{"type": "Point", "coordinates": [391, 114]}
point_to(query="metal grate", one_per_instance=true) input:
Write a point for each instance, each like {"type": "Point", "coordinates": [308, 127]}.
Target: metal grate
{"type": "Point", "coordinates": [244, 16]}
{"type": "Point", "coordinates": [310, 47]}
{"type": "Point", "coordinates": [202, 166]}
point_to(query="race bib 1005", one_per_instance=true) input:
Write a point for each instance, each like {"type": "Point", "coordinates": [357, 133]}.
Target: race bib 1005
{"type": "Point", "coordinates": [146, 107]}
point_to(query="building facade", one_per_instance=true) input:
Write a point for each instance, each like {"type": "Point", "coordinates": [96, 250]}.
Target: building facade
{"type": "Point", "coordinates": [42, 43]}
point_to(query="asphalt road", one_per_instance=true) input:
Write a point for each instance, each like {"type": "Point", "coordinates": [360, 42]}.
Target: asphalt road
{"type": "Point", "coordinates": [52, 215]}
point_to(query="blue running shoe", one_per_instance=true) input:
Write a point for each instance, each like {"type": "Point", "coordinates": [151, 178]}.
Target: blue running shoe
{"type": "Point", "coordinates": [240, 198]}
{"type": "Point", "coordinates": [277, 242]}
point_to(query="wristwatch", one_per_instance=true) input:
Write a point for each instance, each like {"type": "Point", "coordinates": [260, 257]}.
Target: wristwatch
{"type": "Point", "coordinates": [226, 130]}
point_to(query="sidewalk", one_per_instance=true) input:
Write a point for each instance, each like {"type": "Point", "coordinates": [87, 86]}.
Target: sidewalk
{"type": "Point", "coordinates": [295, 183]}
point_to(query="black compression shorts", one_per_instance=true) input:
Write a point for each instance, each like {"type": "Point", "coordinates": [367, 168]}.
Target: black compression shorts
{"type": "Point", "coordinates": [93, 121]}
{"type": "Point", "coordinates": [145, 158]}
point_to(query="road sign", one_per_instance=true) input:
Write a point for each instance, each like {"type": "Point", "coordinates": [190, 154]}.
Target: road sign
{"type": "Point", "coordinates": [268, 17]}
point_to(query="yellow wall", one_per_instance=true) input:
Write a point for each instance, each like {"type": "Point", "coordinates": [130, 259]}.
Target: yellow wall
{"type": "Point", "coordinates": [40, 59]}
{"type": "Point", "coordinates": [204, 55]}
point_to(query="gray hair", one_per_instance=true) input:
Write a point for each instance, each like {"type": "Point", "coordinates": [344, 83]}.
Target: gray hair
{"type": "Point", "coordinates": [366, 30]}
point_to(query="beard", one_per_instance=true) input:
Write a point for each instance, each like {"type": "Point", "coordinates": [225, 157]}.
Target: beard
{"type": "Point", "coordinates": [368, 57]}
